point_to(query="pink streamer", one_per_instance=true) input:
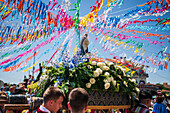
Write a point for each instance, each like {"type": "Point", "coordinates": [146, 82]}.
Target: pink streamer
{"type": "Point", "coordinates": [53, 6]}
{"type": "Point", "coordinates": [34, 49]}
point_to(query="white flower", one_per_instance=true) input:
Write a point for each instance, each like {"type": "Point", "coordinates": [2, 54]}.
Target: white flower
{"type": "Point", "coordinates": [93, 63]}
{"type": "Point", "coordinates": [100, 64]}
{"type": "Point", "coordinates": [109, 79]}
{"type": "Point", "coordinates": [84, 60]}
{"type": "Point", "coordinates": [124, 73]}
{"type": "Point", "coordinates": [128, 75]}
{"type": "Point", "coordinates": [106, 85]}
{"type": "Point", "coordinates": [95, 74]}
{"type": "Point", "coordinates": [107, 74]}
{"type": "Point", "coordinates": [99, 70]}
{"type": "Point", "coordinates": [130, 80]}
{"type": "Point", "coordinates": [114, 82]}
{"type": "Point", "coordinates": [133, 80]}
{"type": "Point", "coordinates": [105, 68]}
{"type": "Point", "coordinates": [43, 77]}
{"type": "Point", "coordinates": [109, 63]}
{"type": "Point", "coordinates": [119, 67]}
{"type": "Point", "coordinates": [88, 85]}
{"type": "Point", "coordinates": [119, 76]}
{"type": "Point", "coordinates": [138, 90]}
{"type": "Point", "coordinates": [92, 81]}
{"type": "Point", "coordinates": [124, 82]}
{"type": "Point", "coordinates": [105, 81]}
{"type": "Point", "coordinates": [123, 69]}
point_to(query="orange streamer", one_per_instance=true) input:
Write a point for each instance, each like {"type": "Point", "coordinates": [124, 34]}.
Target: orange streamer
{"type": "Point", "coordinates": [15, 67]}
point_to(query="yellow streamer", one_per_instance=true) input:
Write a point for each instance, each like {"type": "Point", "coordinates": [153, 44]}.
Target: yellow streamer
{"type": "Point", "coordinates": [30, 67]}
{"type": "Point", "coordinates": [132, 73]}
{"type": "Point", "coordinates": [90, 17]}
{"type": "Point", "coordinates": [3, 7]}
{"type": "Point", "coordinates": [75, 50]}
{"type": "Point", "coordinates": [136, 51]}
{"type": "Point", "coordinates": [127, 69]}
{"type": "Point", "coordinates": [120, 43]}
{"type": "Point", "coordinates": [130, 47]}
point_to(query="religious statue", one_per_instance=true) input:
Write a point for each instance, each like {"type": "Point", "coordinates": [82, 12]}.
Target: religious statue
{"type": "Point", "coordinates": [84, 44]}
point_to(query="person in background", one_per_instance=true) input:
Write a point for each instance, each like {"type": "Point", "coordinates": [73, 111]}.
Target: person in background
{"type": "Point", "coordinates": [11, 91]}
{"type": "Point", "coordinates": [25, 81]}
{"type": "Point", "coordinates": [153, 101]}
{"type": "Point", "coordinates": [78, 100]}
{"type": "Point", "coordinates": [159, 107]}
{"type": "Point", "coordinates": [5, 87]}
{"type": "Point", "coordinates": [32, 79]}
{"type": "Point", "coordinates": [15, 88]}
{"type": "Point", "coordinates": [52, 100]}
{"type": "Point", "coordinates": [29, 78]}
{"type": "Point", "coordinates": [21, 90]}
{"type": "Point", "coordinates": [40, 73]}
{"type": "Point", "coordinates": [3, 93]}
{"type": "Point", "coordinates": [144, 103]}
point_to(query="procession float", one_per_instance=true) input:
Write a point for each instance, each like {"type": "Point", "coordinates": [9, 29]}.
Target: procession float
{"type": "Point", "coordinates": [109, 86]}
{"type": "Point", "coordinates": [51, 33]}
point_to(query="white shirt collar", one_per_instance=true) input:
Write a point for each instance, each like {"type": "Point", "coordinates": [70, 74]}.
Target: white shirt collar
{"type": "Point", "coordinates": [143, 105]}
{"type": "Point", "coordinates": [42, 108]}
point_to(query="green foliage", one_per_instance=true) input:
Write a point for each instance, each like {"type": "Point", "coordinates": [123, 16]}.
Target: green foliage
{"type": "Point", "coordinates": [100, 76]}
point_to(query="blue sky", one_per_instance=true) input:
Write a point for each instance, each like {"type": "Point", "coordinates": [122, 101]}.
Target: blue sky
{"type": "Point", "coordinates": [159, 76]}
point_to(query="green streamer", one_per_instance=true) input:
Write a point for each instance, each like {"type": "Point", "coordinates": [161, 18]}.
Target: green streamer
{"type": "Point", "coordinates": [76, 19]}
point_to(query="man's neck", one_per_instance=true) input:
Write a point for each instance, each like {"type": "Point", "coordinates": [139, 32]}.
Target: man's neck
{"type": "Point", "coordinates": [143, 104]}
{"type": "Point", "coordinates": [45, 106]}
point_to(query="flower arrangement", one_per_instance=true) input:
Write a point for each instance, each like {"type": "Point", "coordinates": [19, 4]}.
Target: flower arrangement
{"type": "Point", "coordinates": [88, 75]}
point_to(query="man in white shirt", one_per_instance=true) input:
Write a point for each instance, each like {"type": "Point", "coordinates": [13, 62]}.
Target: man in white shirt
{"type": "Point", "coordinates": [52, 100]}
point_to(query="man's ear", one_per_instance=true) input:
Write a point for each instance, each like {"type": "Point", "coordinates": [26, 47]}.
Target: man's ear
{"type": "Point", "coordinates": [148, 101]}
{"type": "Point", "coordinates": [69, 107]}
{"type": "Point", "coordinates": [50, 102]}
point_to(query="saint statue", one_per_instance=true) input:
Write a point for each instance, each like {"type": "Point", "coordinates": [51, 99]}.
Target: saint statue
{"type": "Point", "coordinates": [84, 44]}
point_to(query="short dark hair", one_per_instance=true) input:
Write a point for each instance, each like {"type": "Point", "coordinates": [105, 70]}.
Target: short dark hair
{"type": "Point", "coordinates": [52, 93]}
{"type": "Point", "coordinates": [145, 95]}
{"type": "Point", "coordinates": [159, 99]}
{"type": "Point", "coordinates": [78, 99]}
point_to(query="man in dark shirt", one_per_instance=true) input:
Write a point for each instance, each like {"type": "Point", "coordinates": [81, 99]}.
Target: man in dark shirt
{"type": "Point", "coordinates": [144, 103]}
{"type": "Point", "coordinates": [5, 87]}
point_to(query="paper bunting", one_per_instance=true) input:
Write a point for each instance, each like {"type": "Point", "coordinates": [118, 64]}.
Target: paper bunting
{"type": "Point", "coordinates": [158, 3]}
{"type": "Point", "coordinates": [30, 67]}
{"type": "Point", "coordinates": [38, 23]}
{"type": "Point", "coordinates": [148, 34]}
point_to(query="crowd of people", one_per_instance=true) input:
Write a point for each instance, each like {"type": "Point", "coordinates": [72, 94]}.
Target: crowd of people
{"type": "Point", "coordinates": [12, 89]}
{"type": "Point", "coordinates": [78, 98]}
{"type": "Point", "coordinates": [147, 104]}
